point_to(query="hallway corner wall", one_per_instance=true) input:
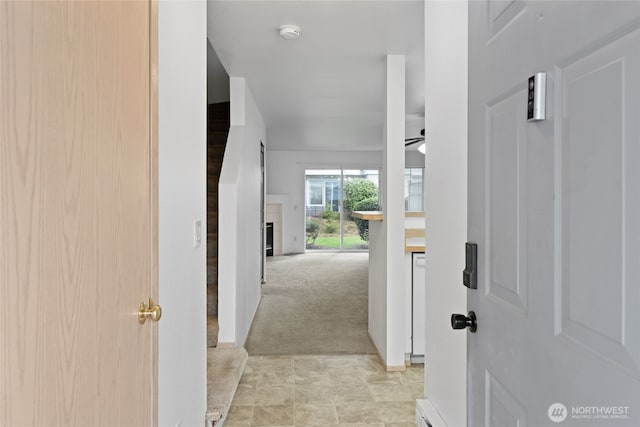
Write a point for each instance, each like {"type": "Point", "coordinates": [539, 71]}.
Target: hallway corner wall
{"type": "Point", "coordinates": [239, 257]}
{"type": "Point", "coordinates": [446, 207]}
{"type": "Point", "coordinates": [182, 359]}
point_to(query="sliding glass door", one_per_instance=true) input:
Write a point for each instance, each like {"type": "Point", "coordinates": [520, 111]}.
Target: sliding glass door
{"type": "Point", "coordinates": [360, 193]}
{"type": "Point", "coordinates": [330, 197]}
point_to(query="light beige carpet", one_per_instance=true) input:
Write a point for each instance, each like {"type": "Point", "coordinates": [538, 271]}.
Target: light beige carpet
{"type": "Point", "coordinates": [315, 303]}
{"type": "Point", "coordinates": [224, 370]}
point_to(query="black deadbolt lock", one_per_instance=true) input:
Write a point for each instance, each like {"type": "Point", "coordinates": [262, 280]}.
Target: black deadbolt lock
{"type": "Point", "coordinates": [470, 273]}
{"type": "Point", "coordinates": [460, 321]}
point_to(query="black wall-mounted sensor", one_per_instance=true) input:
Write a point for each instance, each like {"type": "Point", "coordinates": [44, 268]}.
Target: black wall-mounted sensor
{"type": "Point", "coordinates": [537, 88]}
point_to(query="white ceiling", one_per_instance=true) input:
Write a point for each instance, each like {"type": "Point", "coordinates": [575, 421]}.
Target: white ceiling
{"type": "Point", "coordinates": [324, 91]}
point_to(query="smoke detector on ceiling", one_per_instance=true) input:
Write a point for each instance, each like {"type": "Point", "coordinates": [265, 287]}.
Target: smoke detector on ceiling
{"type": "Point", "coordinates": [290, 32]}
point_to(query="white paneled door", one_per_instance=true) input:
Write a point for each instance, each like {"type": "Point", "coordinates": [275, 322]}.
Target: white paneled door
{"type": "Point", "coordinates": [554, 206]}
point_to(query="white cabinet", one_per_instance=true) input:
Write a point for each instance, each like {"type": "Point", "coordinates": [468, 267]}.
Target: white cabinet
{"type": "Point", "coordinates": [418, 304]}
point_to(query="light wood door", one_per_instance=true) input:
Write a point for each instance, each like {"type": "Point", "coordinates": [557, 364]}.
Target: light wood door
{"type": "Point", "coordinates": [77, 213]}
{"type": "Point", "coordinates": [554, 206]}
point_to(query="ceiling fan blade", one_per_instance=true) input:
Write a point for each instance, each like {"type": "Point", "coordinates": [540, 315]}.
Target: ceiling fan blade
{"type": "Point", "coordinates": [412, 141]}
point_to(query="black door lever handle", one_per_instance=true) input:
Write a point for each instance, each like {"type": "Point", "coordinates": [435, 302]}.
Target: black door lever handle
{"type": "Point", "coordinates": [460, 321]}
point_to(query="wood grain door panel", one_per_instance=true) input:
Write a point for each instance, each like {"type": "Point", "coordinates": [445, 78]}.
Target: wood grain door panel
{"type": "Point", "coordinates": [77, 210]}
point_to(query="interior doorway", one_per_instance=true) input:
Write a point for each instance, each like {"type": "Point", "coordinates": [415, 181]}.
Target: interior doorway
{"type": "Point", "coordinates": [331, 195]}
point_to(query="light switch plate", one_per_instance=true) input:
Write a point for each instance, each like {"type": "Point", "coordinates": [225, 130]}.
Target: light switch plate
{"type": "Point", "coordinates": [197, 233]}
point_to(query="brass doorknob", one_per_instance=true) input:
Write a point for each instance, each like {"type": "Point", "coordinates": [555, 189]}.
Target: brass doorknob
{"type": "Point", "coordinates": [149, 311]}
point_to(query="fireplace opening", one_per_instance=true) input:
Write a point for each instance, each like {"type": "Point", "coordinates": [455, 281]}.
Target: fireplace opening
{"type": "Point", "coordinates": [269, 245]}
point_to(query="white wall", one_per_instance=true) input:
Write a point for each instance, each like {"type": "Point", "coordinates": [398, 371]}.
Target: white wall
{"type": "Point", "coordinates": [413, 159]}
{"type": "Point", "coordinates": [182, 31]}
{"type": "Point", "coordinates": [285, 177]}
{"type": "Point", "coordinates": [217, 78]}
{"type": "Point", "coordinates": [377, 325]}
{"type": "Point", "coordinates": [393, 208]}
{"type": "Point", "coordinates": [446, 205]}
{"type": "Point", "coordinates": [239, 257]}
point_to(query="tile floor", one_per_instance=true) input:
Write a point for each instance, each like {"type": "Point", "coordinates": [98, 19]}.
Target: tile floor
{"type": "Point", "coordinates": [325, 390]}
